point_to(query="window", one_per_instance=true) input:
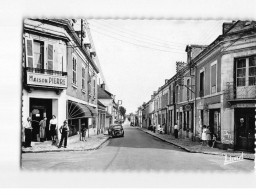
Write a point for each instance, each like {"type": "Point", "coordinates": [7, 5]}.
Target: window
{"type": "Point", "coordinates": [83, 78]}
{"type": "Point", "coordinates": [201, 84]}
{"type": "Point", "coordinates": [246, 71]}
{"type": "Point", "coordinates": [252, 70]}
{"type": "Point", "coordinates": [241, 72]}
{"type": "Point", "coordinates": [89, 85]}
{"type": "Point", "coordinates": [38, 54]}
{"type": "Point", "coordinates": [74, 70]}
{"type": "Point", "coordinates": [213, 78]}
{"type": "Point", "coordinates": [188, 87]}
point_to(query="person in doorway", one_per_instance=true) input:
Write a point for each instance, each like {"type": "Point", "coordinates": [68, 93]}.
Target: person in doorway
{"type": "Point", "coordinates": [214, 139]}
{"type": "Point", "coordinates": [28, 132]}
{"type": "Point", "coordinates": [176, 131]}
{"type": "Point", "coordinates": [208, 136]}
{"type": "Point", "coordinates": [204, 138]}
{"type": "Point", "coordinates": [42, 125]}
{"type": "Point", "coordinates": [53, 129]}
{"type": "Point", "coordinates": [64, 129]}
{"type": "Point", "coordinates": [83, 132]}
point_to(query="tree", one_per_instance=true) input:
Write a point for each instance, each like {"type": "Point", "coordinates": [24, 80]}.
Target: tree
{"type": "Point", "coordinates": [122, 111]}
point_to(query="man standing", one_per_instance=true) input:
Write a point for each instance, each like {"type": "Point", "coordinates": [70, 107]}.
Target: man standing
{"type": "Point", "coordinates": [42, 125]}
{"type": "Point", "coordinates": [64, 129]}
{"type": "Point", "coordinates": [28, 132]}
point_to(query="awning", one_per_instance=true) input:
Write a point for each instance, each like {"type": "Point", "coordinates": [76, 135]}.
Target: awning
{"type": "Point", "coordinates": [78, 110]}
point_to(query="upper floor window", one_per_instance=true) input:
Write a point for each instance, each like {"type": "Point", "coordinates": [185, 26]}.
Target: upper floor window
{"type": "Point", "coordinates": [201, 83]}
{"type": "Point", "coordinates": [252, 70]}
{"type": "Point", "coordinates": [188, 87]}
{"type": "Point", "coordinates": [213, 78]}
{"type": "Point", "coordinates": [246, 71]}
{"type": "Point", "coordinates": [74, 70]}
{"type": "Point", "coordinates": [38, 54]}
{"type": "Point", "coordinates": [83, 78]}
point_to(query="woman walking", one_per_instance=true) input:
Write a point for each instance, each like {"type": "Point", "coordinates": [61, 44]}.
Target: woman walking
{"type": "Point", "coordinates": [53, 129]}
{"type": "Point", "coordinates": [204, 138]}
{"type": "Point", "coordinates": [176, 131]}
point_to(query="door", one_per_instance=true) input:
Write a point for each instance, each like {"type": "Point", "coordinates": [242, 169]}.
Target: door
{"type": "Point", "coordinates": [245, 128]}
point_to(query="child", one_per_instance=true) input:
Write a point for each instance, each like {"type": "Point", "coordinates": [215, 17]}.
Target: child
{"type": "Point", "coordinates": [214, 138]}
{"type": "Point", "coordinates": [83, 132]}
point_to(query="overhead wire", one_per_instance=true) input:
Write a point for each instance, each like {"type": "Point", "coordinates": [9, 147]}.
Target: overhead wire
{"type": "Point", "coordinates": [134, 43]}
{"type": "Point", "coordinates": [161, 41]}
{"type": "Point", "coordinates": [135, 38]}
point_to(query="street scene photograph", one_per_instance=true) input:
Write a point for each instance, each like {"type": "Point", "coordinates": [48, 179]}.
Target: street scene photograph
{"type": "Point", "coordinates": [130, 95]}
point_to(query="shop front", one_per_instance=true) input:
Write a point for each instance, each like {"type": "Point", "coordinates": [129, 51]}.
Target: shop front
{"type": "Point", "coordinates": [245, 129]}
{"type": "Point", "coordinates": [78, 114]}
{"type": "Point", "coordinates": [43, 95]}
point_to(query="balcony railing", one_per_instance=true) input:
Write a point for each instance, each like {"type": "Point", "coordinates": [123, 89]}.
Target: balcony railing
{"type": "Point", "coordinates": [46, 71]}
{"type": "Point", "coordinates": [239, 93]}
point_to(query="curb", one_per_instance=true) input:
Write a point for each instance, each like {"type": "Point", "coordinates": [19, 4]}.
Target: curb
{"type": "Point", "coordinates": [191, 151]}
{"type": "Point", "coordinates": [69, 150]}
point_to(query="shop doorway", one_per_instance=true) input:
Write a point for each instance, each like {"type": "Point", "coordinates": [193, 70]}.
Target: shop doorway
{"type": "Point", "coordinates": [245, 128]}
{"type": "Point", "coordinates": [40, 108]}
{"type": "Point", "coordinates": [214, 122]}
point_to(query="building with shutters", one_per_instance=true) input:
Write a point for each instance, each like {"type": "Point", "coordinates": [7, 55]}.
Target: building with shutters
{"type": "Point", "coordinates": [59, 75]}
{"type": "Point", "coordinates": [216, 87]}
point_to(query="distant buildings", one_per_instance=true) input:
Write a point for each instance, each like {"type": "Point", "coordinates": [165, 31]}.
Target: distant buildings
{"type": "Point", "coordinates": [215, 87]}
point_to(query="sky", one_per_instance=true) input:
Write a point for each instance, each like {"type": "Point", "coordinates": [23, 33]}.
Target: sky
{"type": "Point", "coordinates": [136, 56]}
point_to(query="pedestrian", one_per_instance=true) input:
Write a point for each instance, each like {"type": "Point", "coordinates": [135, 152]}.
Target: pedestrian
{"type": "Point", "coordinates": [28, 132]}
{"type": "Point", "coordinates": [83, 132]}
{"type": "Point", "coordinates": [42, 125]}
{"type": "Point", "coordinates": [208, 136]}
{"type": "Point", "coordinates": [176, 131]}
{"type": "Point", "coordinates": [64, 129]}
{"type": "Point", "coordinates": [214, 139]}
{"type": "Point", "coordinates": [204, 138]}
{"type": "Point", "coordinates": [53, 129]}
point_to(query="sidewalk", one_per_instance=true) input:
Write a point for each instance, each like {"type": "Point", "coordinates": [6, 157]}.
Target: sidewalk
{"type": "Point", "coordinates": [74, 144]}
{"type": "Point", "coordinates": [195, 147]}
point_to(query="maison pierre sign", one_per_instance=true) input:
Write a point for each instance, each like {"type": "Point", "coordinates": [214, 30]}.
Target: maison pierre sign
{"type": "Point", "coordinates": [46, 80]}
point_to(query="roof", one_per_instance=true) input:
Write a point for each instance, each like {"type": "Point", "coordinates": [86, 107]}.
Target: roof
{"type": "Point", "coordinates": [103, 94]}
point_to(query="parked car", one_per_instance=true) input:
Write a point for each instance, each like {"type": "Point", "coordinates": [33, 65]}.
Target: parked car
{"type": "Point", "coordinates": [116, 130]}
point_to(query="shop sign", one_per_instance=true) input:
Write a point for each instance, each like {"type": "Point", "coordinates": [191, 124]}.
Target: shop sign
{"type": "Point", "coordinates": [46, 80]}
{"type": "Point", "coordinates": [188, 107]}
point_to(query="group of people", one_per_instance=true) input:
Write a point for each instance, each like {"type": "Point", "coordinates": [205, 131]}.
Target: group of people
{"type": "Point", "coordinates": [64, 130]}
{"type": "Point", "coordinates": [208, 137]}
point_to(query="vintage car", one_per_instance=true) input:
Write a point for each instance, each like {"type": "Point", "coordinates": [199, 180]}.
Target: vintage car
{"type": "Point", "coordinates": [116, 130]}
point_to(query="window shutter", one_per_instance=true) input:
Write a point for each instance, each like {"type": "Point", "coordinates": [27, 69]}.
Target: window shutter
{"type": "Point", "coordinates": [50, 57]}
{"type": "Point", "coordinates": [29, 53]}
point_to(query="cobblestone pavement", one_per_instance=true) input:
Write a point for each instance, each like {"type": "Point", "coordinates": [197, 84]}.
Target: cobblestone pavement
{"type": "Point", "coordinates": [196, 147]}
{"type": "Point", "coordinates": [74, 144]}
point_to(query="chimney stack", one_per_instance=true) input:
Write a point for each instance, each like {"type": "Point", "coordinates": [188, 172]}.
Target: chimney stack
{"type": "Point", "coordinates": [103, 85]}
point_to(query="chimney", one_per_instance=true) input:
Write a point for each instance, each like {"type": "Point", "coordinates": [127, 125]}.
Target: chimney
{"type": "Point", "coordinates": [179, 66]}
{"type": "Point", "coordinates": [103, 85]}
{"type": "Point", "coordinates": [226, 26]}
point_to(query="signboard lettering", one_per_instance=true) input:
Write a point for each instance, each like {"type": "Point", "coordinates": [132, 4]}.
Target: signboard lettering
{"type": "Point", "coordinates": [46, 80]}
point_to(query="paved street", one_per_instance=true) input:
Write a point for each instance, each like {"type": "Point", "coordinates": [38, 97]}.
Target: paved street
{"type": "Point", "coordinates": [136, 151]}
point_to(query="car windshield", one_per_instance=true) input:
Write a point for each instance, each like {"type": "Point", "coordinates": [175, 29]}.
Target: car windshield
{"type": "Point", "coordinates": [117, 127]}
